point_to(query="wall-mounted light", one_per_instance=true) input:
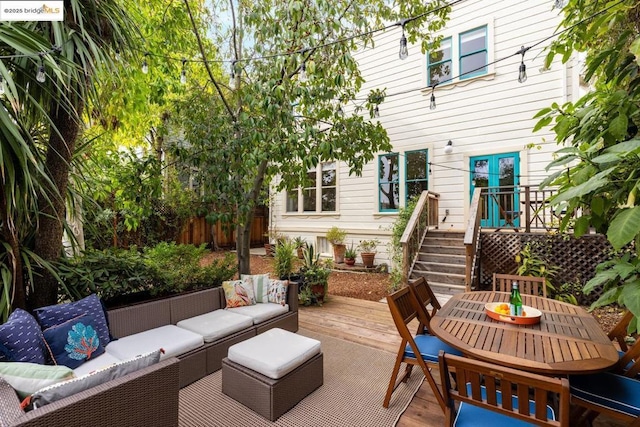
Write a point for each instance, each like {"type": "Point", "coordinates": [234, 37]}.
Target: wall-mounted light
{"type": "Point", "coordinates": [448, 149]}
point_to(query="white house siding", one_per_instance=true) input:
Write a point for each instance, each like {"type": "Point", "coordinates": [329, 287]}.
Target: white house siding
{"type": "Point", "coordinates": [488, 114]}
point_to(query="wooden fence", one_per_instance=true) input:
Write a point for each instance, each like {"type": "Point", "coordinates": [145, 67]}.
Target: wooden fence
{"type": "Point", "coordinates": [198, 231]}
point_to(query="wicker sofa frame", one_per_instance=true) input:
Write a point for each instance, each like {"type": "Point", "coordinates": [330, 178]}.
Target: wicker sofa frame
{"type": "Point", "coordinates": [148, 396]}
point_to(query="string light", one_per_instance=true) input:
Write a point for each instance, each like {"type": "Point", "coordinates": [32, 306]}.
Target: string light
{"type": "Point", "coordinates": [340, 111]}
{"type": "Point", "coordinates": [432, 103]}
{"type": "Point", "coordinates": [522, 73]}
{"type": "Point", "coordinates": [404, 50]}
{"type": "Point", "coordinates": [118, 57]}
{"type": "Point", "coordinates": [183, 74]}
{"type": "Point", "coordinates": [145, 65]}
{"type": "Point", "coordinates": [376, 112]}
{"type": "Point", "coordinates": [1, 86]}
{"type": "Point", "coordinates": [232, 80]}
{"type": "Point", "coordinates": [41, 76]}
{"type": "Point", "coordinates": [303, 72]}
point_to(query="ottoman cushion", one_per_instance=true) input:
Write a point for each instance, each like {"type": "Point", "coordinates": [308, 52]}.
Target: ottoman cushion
{"type": "Point", "coordinates": [275, 352]}
{"type": "Point", "coordinates": [216, 324]}
{"type": "Point", "coordinates": [261, 312]}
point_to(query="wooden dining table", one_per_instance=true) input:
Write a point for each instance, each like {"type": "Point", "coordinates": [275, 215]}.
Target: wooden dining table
{"type": "Point", "coordinates": [567, 340]}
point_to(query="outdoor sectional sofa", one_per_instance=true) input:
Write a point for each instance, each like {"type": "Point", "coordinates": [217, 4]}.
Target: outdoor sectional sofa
{"type": "Point", "coordinates": [150, 396]}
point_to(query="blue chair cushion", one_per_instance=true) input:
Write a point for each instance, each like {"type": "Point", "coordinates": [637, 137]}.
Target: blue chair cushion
{"type": "Point", "coordinates": [608, 390]}
{"type": "Point", "coordinates": [429, 347]}
{"type": "Point", "coordinates": [21, 339]}
{"type": "Point", "coordinates": [472, 416]}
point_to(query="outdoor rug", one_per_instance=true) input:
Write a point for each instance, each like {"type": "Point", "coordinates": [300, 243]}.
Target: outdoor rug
{"type": "Point", "coordinates": [355, 382]}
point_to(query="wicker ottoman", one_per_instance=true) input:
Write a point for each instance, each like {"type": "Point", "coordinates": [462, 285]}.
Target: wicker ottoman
{"type": "Point", "coordinates": [272, 372]}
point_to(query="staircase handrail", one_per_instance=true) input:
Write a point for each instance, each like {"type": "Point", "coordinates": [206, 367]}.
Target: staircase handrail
{"type": "Point", "coordinates": [424, 215]}
{"type": "Point", "coordinates": [471, 237]}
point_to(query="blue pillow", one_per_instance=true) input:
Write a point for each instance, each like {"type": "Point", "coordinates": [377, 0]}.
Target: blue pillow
{"type": "Point", "coordinates": [74, 342]}
{"type": "Point", "coordinates": [58, 314]}
{"type": "Point", "coordinates": [21, 339]}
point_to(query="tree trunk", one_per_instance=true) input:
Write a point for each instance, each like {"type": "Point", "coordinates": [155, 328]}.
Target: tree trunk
{"type": "Point", "coordinates": [52, 211]}
{"type": "Point", "coordinates": [243, 245]}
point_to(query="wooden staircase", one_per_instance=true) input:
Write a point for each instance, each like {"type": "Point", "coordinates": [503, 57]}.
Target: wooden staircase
{"type": "Point", "coordinates": [441, 260]}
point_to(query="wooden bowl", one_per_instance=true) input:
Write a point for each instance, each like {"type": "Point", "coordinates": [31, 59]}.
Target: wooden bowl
{"type": "Point", "coordinates": [532, 314]}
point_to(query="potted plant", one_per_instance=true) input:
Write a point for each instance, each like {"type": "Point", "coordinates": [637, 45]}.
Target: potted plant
{"type": "Point", "coordinates": [299, 244]}
{"type": "Point", "coordinates": [350, 255]}
{"type": "Point", "coordinates": [283, 260]}
{"type": "Point", "coordinates": [336, 237]}
{"type": "Point", "coordinates": [368, 251]}
{"type": "Point", "coordinates": [316, 278]}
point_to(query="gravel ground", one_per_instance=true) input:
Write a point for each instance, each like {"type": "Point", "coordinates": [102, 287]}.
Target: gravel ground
{"type": "Point", "coordinates": [375, 286]}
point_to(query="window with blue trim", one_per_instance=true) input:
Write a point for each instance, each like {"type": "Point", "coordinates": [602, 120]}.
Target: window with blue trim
{"type": "Point", "coordinates": [417, 172]}
{"type": "Point", "coordinates": [439, 66]}
{"type": "Point", "coordinates": [473, 53]}
{"type": "Point", "coordinates": [388, 182]}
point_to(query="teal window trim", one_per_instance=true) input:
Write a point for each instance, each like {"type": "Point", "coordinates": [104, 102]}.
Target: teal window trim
{"type": "Point", "coordinates": [384, 182]}
{"type": "Point", "coordinates": [466, 54]}
{"type": "Point", "coordinates": [408, 181]}
{"type": "Point", "coordinates": [436, 63]}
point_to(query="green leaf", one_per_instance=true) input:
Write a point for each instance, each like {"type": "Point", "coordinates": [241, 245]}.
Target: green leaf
{"type": "Point", "coordinates": [601, 278]}
{"type": "Point", "coordinates": [624, 227]}
{"type": "Point", "coordinates": [630, 296]}
{"type": "Point", "coordinates": [581, 226]}
{"type": "Point", "coordinates": [635, 49]}
{"type": "Point", "coordinates": [618, 126]}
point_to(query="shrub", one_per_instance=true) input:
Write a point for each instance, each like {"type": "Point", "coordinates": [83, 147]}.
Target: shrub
{"type": "Point", "coordinates": [284, 259]}
{"type": "Point", "coordinates": [108, 273]}
{"type": "Point", "coordinates": [178, 267]}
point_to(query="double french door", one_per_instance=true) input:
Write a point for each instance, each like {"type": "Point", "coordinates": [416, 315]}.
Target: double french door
{"type": "Point", "coordinates": [499, 174]}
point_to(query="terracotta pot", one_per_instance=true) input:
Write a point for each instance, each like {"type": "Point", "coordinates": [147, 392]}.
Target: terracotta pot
{"type": "Point", "coordinates": [318, 291]}
{"type": "Point", "coordinates": [367, 258]}
{"type": "Point", "coordinates": [338, 253]}
{"type": "Point", "coordinates": [350, 261]}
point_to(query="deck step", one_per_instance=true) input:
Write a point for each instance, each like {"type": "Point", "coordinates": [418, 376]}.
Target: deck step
{"type": "Point", "coordinates": [442, 261]}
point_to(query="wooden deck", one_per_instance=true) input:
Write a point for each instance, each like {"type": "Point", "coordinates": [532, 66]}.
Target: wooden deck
{"type": "Point", "coordinates": [369, 323]}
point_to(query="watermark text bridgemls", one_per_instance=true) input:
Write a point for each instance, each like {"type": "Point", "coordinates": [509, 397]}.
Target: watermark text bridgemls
{"type": "Point", "coordinates": [50, 10]}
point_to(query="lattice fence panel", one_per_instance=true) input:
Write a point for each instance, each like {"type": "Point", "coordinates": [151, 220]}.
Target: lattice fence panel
{"type": "Point", "coordinates": [575, 258]}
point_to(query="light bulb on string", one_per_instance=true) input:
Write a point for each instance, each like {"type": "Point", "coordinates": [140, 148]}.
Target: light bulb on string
{"type": "Point", "coordinates": [432, 102]}
{"type": "Point", "coordinates": [2, 89]}
{"type": "Point", "coordinates": [404, 50]}
{"type": "Point", "coordinates": [118, 57]}
{"type": "Point", "coordinates": [232, 81]}
{"type": "Point", "coordinates": [522, 72]}
{"type": "Point", "coordinates": [340, 111]}
{"type": "Point", "coordinates": [41, 76]}
{"type": "Point", "coordinates": [145, 65]}
{"type": "Point", "coordinates": [183, 73]}
{"type": "Point", "coordinates": [303, 72]}
{"type": "Point", "coordinates": [376, 112]}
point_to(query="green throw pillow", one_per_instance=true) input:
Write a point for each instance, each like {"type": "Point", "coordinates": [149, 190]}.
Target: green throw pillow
{"type": "Point", "coordinates": [27, 378]}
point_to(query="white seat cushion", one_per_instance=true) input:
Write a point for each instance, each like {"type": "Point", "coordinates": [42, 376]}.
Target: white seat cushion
{"type": "Point", "coordinates": [102, 361]}
{"type": "Point", "coordinates": [173, 340]}
{"type": "Point", "coordinates": [260, 312]}
{"type": "Point", "coordinates": [216, 324]}
{"type": "Point", "coordinates": [275, 352]}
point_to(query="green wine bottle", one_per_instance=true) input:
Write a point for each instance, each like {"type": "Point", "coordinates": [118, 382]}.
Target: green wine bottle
{"type": "Point", "coordinates": [515, 301]}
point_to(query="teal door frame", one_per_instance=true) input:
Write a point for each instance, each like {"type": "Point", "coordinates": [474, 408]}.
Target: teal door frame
{"type": "Point", "coordinates": [499, 173]}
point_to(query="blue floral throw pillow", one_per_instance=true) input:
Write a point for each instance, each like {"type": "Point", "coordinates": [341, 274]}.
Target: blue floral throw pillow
{"type": "Point", "coordinates": [21, 339]}
{"type": "Point", "coordinates": [74, 342]}
{"type": "Point", "coordinates": [58, 314]}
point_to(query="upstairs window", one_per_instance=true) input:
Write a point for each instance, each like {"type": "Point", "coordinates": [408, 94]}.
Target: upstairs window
{"type": "Point", "coordinates": [473, 53]}
{"type": "Point", "coordinates": [460, 56]}
{"type": "Point", "coordinates": [439, 64]}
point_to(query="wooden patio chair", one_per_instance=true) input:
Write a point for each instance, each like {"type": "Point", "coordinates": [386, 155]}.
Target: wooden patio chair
{"type": "Point", "coordinates": [429, 304]}
{"type": "Point", "coordinates": [481, 389]}
{"type": "Point", "coordinates": [418, 349]}
{"type": "Point", "coordinates": [526, 284]}
{"type": "Point", "coordinates": [619, 332]}
{"type": "Point", "coordinates": [615, 393]}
